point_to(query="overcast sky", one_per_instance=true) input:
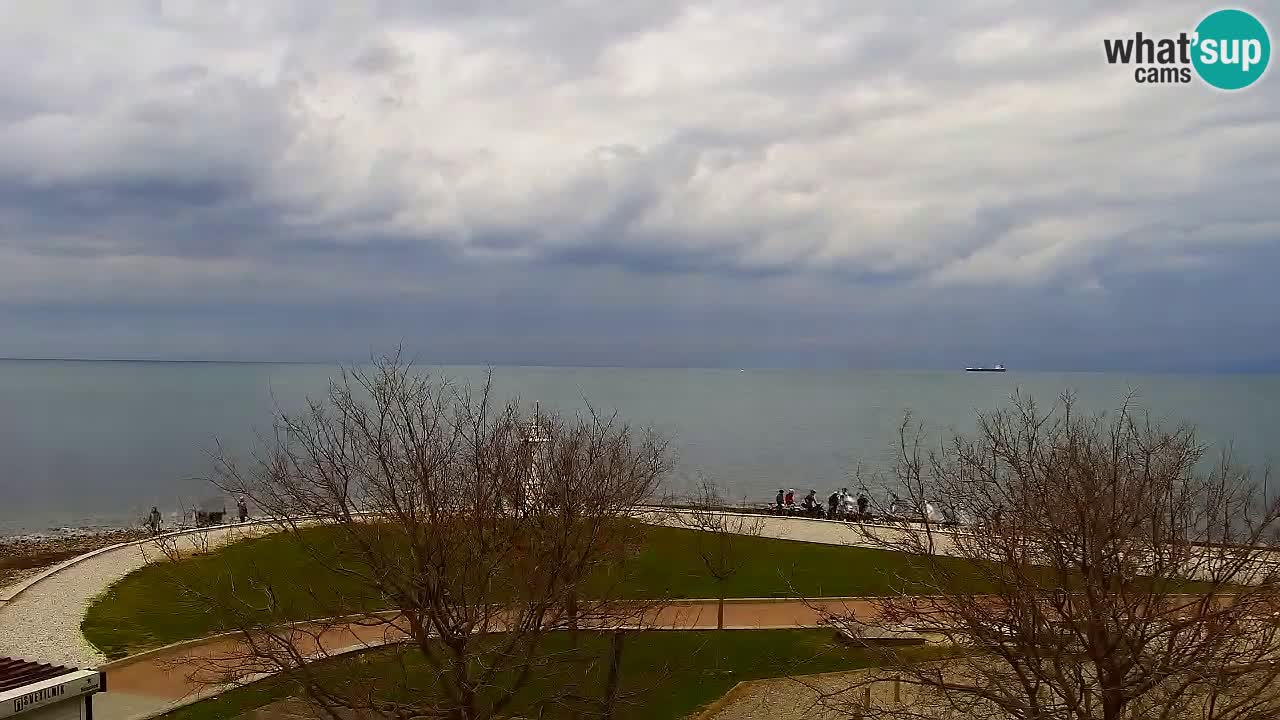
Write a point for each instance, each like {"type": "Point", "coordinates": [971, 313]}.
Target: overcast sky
{"type": "Point", "coordinates": [630, 182]}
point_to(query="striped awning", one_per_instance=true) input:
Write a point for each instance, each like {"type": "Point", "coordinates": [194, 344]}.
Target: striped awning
{"type": "Point", "coordinates": [16, 673]}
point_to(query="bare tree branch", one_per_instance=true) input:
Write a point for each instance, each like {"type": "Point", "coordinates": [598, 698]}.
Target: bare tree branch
{"type": "Point", "coordinates": [721, 533]}
{"type": "Point", "coordinates": [1109, 573]}
{"type": "Point", "coordinates": [463, 532]}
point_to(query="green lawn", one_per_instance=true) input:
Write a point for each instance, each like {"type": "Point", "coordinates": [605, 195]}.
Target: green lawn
{"type": "Point", "coordinates": [666, 674]}
{"type": "Point", "coordinates": [148, 608]}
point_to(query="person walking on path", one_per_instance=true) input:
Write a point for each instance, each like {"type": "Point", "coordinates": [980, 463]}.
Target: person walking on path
{"type": "Point", "coordinates": [242, 508]}
{"type": "Point", "coordinates": [154, 520]}
{"type": "Point", "coordinates": [833, 500]}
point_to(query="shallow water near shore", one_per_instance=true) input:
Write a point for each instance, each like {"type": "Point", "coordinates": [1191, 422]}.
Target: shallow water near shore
{"type": "Point", "coordinates": [86, 444]}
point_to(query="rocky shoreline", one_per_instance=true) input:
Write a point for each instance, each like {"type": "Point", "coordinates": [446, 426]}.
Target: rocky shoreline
{"type": "Point", "coordinates": [23, 556]}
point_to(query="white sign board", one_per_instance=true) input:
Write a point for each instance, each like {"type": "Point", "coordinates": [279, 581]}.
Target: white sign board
{"type": "Point", "coordinates": [46, 692]}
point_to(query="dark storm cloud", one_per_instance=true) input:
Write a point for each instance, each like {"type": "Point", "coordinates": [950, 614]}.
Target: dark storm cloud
{"type": "Point", "coordinates": [812, 183]}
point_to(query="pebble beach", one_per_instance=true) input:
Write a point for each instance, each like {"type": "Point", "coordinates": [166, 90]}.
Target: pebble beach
{"type": "Point", "coordinates": [43, 622]}
{"type": "Point", "coordinates": [23, 556]}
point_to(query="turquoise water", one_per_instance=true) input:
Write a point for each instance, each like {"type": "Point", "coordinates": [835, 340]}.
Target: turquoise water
{"type": "Point", "coordinates": [89, 443]}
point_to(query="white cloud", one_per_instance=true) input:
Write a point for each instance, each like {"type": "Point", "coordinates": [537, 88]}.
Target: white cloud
{"type": "Point", "coordinates": [923, 147]}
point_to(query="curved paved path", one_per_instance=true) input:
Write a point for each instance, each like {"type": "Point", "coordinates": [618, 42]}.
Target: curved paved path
{"type": "Point", "coordinates": [43, 621]}
{"type": "Point", "coordinates": [814, 530]}
{"type": "Point", "coordinates": [40, 619]}
{"type": "Point", "coordinates": [151, 683]}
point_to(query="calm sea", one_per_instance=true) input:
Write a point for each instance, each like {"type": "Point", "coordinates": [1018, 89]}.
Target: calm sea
{"type": "Point", "coordinates": [99, 443]}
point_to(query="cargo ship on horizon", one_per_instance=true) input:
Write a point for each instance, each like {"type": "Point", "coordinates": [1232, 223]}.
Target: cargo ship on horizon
{"type": "Point", "coordinates": [994, 368]}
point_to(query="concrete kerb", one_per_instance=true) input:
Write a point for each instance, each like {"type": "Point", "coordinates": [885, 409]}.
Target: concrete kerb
{"type": "Point", "coordinates": [214, 691]}
{"type": "Point", "coordinates": [944, 538]}
{"type": "Point", "coordinates": [719, 703]}
{"type": "Point", "coordinates": [714, 708]}
{"type": "Point", "coordinates": [914, 527]}
{"type": "Point", "coordinates": [641, 511]}
{"type": "Point", "coordinates": [936, 527]}
{"type": "Point", "coordinates": [145, 654]}
{"type": "Point", "coordinates": [730, 601]}
{"type": "Point", "coordinates": [12, 594]}
{"type": "Point", "coordinates": [195, 642]}
{"type": "Point", "coordinates": [851, 525]}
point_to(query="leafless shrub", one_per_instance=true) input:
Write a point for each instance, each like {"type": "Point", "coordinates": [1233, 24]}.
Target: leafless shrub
{"type": "Point", "coordinates": [721, 533]}
{"type": "Point", "coordinates": [469, 537]}
{"type": "Point", "coordinates": [1109, 574]}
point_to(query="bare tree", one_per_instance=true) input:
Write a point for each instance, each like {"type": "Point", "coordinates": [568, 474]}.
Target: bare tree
{"type": "Point", "coordinates": [462, 534]}
{"type": "Point", "coordinates": [1111, 574]}
{"type": "Point", "coordinates": [720, 537]}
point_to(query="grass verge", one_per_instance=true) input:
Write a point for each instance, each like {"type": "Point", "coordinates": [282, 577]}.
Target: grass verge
{"type": "Point", "coordinates": [665, 674]}
{"type": "Point", "coordinates": [154, 605]}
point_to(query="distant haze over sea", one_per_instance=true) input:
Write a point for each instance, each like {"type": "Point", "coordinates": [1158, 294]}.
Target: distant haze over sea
{"type": "Point", "coordinates": [99, 443]}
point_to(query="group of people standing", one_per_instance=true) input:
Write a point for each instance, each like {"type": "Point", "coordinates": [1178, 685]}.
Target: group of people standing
{"type": "Point", "coordinates": [786, 502]}
{"type": "Point", "coordinates": [840, 504]}
{"type": "Point", "coordinates": [843, 505]}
